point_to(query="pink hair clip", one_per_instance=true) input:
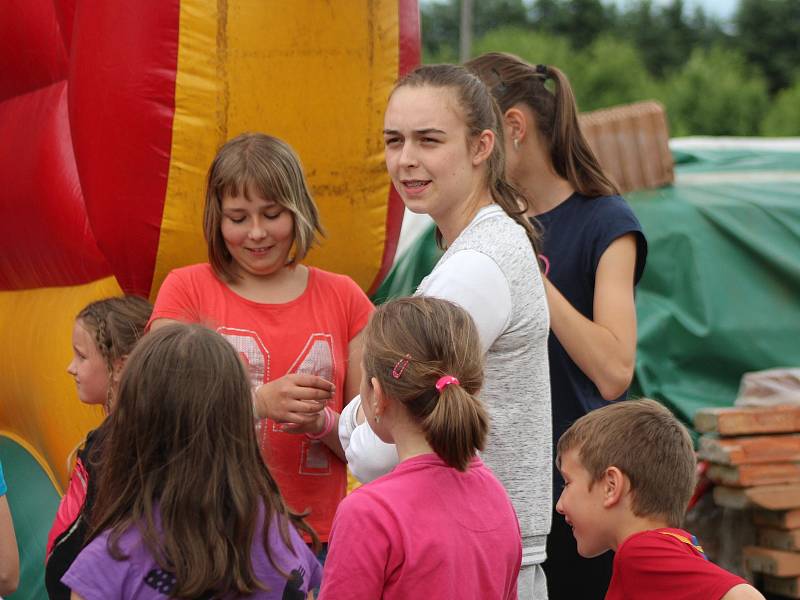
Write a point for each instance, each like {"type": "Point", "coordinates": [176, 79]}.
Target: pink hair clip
{"type": "Point", "coordinates": [400, 366]}
{"type": "Point", "coordinates": [444, 381]}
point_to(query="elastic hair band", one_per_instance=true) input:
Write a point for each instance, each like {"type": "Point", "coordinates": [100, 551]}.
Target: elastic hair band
{"type": "Point", "coordinates": [444, 381]}
{"type": "Point", "coordinates": [326, 428]}
{"type": "Point", "coordinates": [542, 70]}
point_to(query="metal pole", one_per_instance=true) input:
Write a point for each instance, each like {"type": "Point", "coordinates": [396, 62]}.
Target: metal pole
{"type": "Point", "coordinates": [465, 34]}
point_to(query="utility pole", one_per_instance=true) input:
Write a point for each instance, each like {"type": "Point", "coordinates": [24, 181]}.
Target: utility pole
{"type": "Point", "coordinates": [465, 33]}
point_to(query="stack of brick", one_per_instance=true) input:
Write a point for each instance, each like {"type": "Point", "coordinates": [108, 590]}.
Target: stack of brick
{"type": "Point", "coordinates": [632, 144]}
{"type": "Point", "coordinates": [754, 456]}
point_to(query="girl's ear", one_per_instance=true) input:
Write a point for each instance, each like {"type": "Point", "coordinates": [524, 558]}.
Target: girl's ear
{"type": "Point", "coordinates": [483, 147]}
{"type": "Point", "coordinates": [614, 485]}
{"type": "Point", "coordinates": [516, 124]}
{"type": "Point", "coordinates": [378, 398]}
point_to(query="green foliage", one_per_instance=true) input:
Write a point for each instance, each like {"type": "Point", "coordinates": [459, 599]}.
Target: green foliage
{"type": "Point", "coordinates": [610, 72]}
{"type": "Point", "coordinates": [716, 93]}
{"type": "Point", "coordinates": [768, 33]}
{"type": "Point", "coordinates": [534, 47]}
{"type": "Point", "coordinates": [783, 117]}
{"type": "Point", "coordinates": [713, 82]}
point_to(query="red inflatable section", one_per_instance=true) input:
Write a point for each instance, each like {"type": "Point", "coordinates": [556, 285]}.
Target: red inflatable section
{"type": "Point", "coordinates": [122, 102]}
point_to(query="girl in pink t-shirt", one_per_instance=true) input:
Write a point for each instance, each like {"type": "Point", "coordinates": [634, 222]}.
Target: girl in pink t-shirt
{"type": "Point", "coordinates": [295, 327]}
{"type": "Point", "coordinates": [440, 525]}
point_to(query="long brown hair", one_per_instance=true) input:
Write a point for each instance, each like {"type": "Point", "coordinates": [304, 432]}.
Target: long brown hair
{"type": "Point", "coordinates": [513, 81]}
{"type": "Point", "coordinates": [480, 112]}
{"type": "Point", "coordinates": [409, 344]}
{"type": "Point", "coordinates": [182, 464]}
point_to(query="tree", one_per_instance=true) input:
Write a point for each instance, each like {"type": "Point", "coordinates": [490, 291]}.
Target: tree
{"type": "Point", "coordinates": [611, 72]}
{"type": "Point", "coordinates": [767, 32]}
{"type": "Point", "coordinates": [716, 93]}
{"type": "Point", "coordinates": [783, 117]}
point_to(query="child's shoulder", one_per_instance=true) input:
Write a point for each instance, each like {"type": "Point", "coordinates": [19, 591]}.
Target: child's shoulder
{"type": "Point", "coordinates": [665, 540]}
{"type": "Point", "coordinates": [192, 271]}
{"type": "Point", "coordinates": [338, 283]}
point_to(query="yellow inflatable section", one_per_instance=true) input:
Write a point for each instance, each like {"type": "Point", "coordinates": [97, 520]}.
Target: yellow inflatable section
{"type": "Point", "coordinates": [134, 110]}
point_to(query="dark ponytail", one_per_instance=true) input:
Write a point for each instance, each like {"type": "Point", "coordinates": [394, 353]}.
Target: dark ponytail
{"type": "Point", "coordinates": [481, 112]}
{"type": "Point", "coordinates": [411, 343]}
{"type": "Point", "coordinates": [513, 81]}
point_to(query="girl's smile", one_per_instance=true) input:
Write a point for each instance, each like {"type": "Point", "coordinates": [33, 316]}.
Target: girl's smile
{"type": "Point", "coordinates": [258, 233]}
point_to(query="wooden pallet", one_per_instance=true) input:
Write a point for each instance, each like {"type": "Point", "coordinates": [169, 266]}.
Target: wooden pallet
{"type": "Point", "coordinates": [772, 562]}
{"type": "Point", "coordinates": [788, 587]}
{"type": "Point", "coordinates": [754, 474]}
{"type": "Point", "coordinates": [750, 449]}
{"type": "Point", "coordinates": [779, 539]}
{"type": "Point", "coordinates": [773, 497]}
{"type": "Point", "coordinates": [785, 519]}
{"type": "Point", "coordinates": [748, 420]}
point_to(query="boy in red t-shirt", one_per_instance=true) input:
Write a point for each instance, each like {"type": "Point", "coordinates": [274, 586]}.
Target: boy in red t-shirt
{"type": "Point", "coordinates": [629, 471]}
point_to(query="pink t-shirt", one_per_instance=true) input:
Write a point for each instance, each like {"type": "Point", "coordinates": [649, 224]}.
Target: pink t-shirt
{"type": "Point", "coordinates": [310, 334]}
{"type": "Point", "coordinates": [425, 530]}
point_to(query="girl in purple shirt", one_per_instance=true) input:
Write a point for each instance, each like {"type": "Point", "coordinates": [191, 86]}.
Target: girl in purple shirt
{"type": "Point", "coordinates": [185, 505]}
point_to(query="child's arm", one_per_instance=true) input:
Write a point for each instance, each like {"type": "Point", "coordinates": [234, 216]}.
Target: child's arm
{"type": "Point", "coordinates": [9, 555]}
{"type": "Point", "coordinates": [743, 592]}
{"type": "Point", "coordinates": [605, 348]}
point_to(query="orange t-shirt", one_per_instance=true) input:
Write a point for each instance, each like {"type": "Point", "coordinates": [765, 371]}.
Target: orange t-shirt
{"type": "Point", "coordinates": [310, 334]}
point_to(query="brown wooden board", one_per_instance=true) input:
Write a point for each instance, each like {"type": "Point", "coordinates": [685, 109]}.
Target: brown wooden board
{"type": "Point", "coordinates": [778, 519]}
{"type": "Point", "coordinates": [750, 449]}
{"type": "Point", "coordinates": [748, 420]}
{"type": "Point", "coordinates": [771, 562]}
{"type": "Point", "coordinates": [788, 587]}
{"type": "Point", "coordinates": [773, 497]}
{"type": "Point", "coordinates": [779, 539]}
{"type": "Point", "coordinates": [754, 474]}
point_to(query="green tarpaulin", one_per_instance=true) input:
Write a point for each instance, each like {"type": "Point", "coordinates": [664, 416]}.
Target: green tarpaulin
{"type": "Point", "coordinates": [721, 292]}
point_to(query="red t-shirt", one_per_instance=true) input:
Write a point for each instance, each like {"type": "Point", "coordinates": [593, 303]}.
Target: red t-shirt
{"type": "Point", "coordinates": [664, 563]}
{"type": "Point", "coordinates": [310, 334]}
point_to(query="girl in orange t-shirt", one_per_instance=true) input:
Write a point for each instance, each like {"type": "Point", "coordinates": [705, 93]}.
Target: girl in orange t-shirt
{"type": "Point", "coordinates": [297, 328]}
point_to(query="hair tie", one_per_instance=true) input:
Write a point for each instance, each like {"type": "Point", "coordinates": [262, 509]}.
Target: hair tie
{"type": "Point", "coordinates": [542, 70]}
{"type": "Point", "coordinates": [444, 381]}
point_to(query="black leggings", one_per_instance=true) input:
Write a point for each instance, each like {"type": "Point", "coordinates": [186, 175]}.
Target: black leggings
{"type": "Point", "coordinates": [569, 575]}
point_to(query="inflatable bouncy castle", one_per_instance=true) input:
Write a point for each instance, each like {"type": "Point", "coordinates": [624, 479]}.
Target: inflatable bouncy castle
{"type": "Point", "coordinates": [110, 114]}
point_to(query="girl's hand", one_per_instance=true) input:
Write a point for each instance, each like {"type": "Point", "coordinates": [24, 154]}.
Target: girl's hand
{"type": "Point", "coordinates": [297, 398]}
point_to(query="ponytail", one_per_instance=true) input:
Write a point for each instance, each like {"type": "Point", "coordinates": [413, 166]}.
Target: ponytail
{"type": "Point", "coordinates": [513, 81]}
{"type": "Point", "coordinates": [457, 426]}
{"type": "Point", "coordinates": [410, 344]}
{"type": "Point", "coordinates": [570, 153]}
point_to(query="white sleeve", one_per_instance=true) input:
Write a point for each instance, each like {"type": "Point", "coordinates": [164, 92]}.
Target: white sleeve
{"type": "Point", "coordinates": [474, 281]}
{"type": "Point", "coordinates": [367, 456]}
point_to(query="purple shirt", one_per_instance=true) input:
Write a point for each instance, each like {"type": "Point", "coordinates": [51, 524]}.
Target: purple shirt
{"type": "Point", "coordinates": [95, 575]}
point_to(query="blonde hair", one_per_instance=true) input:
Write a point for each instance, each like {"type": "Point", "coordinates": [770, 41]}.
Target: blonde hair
{"type": "Point", "coordinates": [269, 167]}
{"type": "Point", "coordinates": [409, 344]}
{"type": "Point", "coordinates": [648, 444]}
